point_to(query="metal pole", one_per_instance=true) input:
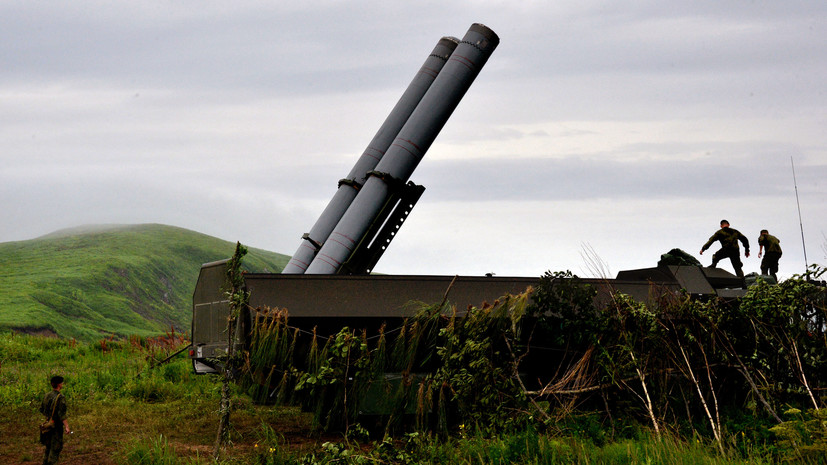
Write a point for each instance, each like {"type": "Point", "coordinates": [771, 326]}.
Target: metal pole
{"type": "Point", "coordinates": [800, 224]}
{"type": "Point", "coordinates": [349, 187]}
{"type": "Point", "coordinates": [409, 147]}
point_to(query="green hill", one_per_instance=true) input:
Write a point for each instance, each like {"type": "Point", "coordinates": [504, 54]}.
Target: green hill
{"type": "Point", "coordinates": [96, 281]}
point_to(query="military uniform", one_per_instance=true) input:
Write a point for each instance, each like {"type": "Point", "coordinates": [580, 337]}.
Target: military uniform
{"type": "Point", "coordinates": [729, 248]}
{"type": "Point", "coordinates": [771, 255]}
{"type": "Point", "coordinates": [53, 440]}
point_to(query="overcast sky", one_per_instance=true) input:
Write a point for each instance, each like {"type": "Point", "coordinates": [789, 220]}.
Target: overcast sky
{"type": "Point", "coordinates": [628, 130]}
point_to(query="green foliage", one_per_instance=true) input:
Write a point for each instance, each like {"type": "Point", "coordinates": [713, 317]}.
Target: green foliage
{"type": "Point", "coordinates": [152, 389]}
{"type": "Point", "coordinates": [438, 368]}
{"type": "Point", "coordinates": [341, 365]}
{"type": "Point", "coordinates": [154, 452]}
{"type": "Point", "coordinates": [121, 280]}
{"type": "Point", "coordinates": [237, 295]}
{"type": "Point", "coordinates": [566, 308]}
{"type": "Point", "coordinates": [271, 448]}
{"type": "Point", "coordinates": [527, 447]}
{"type": "Point", "coordinates": [687, 360]}
{"type": "Point", "coordinates": [476, 382]}
{"type": "Point", "coordinates": [802, 437]}
{"type": "Point", "coordinates": [553, 361]}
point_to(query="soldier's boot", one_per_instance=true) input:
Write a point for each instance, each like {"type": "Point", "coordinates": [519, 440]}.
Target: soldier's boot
{"type": "Point", "coordinates": [740, 273]}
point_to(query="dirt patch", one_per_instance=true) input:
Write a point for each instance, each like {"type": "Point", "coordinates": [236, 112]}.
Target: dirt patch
{"type": "Point", "coordinates": [45, 332]}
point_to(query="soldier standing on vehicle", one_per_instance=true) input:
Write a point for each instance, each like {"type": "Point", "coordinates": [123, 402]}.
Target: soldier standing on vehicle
{"type": "Point", "coordinates": [54, 407]}
{"type": "Point", "coordinates": [729, 238]}
{"type": "Point", "coordinates": [773, 254]}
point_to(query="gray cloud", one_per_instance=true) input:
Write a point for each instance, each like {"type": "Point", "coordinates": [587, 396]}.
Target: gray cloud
{"type": "Point", "coordinates": [181, 112]}
{"type": "Point", "coordinates": [583, 178]}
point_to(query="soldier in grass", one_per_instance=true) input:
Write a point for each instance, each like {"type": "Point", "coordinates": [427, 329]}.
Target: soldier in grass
{"type": "Point", "coordinates": [54, 407]}
{"type": "Point", "coordinates": [729, 238]}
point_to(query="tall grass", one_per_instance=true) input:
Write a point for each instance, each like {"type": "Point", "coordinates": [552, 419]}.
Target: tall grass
{"type": "Point", "coordinates": [529, 447]}
{"type": "Point", "coordinates": [333, 377]}
{"type": "Point", "coordinates": [106, 370]}
{"type": "Point", "coordinates": [156, 451]}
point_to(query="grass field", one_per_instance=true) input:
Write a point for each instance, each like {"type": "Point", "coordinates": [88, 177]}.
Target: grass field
{"type": "Point", "coordinates": [118, 405]}
{"type": "Point", "coordinates": [124, 412]}
{"type": "Point", "coordinates": [116, 280]}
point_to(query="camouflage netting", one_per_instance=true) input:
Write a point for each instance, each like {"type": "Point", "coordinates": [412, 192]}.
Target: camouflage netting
{"type": "Point", "coordinates": [549, 354]}
{"type": "Point", "coordinates": [679, 258]}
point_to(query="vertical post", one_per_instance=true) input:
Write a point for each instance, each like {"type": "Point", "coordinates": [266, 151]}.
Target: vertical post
{"type": "Point", "coordinates": [238, 297]}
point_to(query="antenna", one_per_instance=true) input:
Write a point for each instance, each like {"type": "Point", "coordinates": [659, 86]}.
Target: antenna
{"type": "Point", "coordinates": [800, 225]}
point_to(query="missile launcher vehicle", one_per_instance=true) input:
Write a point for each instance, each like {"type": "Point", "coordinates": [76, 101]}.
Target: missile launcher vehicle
{"type": "Point", "coordinates": [327, 283]}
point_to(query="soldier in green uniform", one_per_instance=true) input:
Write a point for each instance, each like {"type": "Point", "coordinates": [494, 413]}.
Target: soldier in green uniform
{"type": "Point", "coordinates": [54, 406]}
{"type": "Point", "coordinates": [729, 238]}
{"type": "Point", "coordinates": [773, 254]}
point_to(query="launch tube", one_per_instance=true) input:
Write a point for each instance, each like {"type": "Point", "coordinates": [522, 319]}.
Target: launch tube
{"type": "Point", "coordinates": [349, 186]}
{"type": "Point", "coordinates": [410, 145]}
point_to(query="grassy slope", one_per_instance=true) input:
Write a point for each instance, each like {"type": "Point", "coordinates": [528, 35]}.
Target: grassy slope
{"type": "Point", "coordinates": [119, 280]}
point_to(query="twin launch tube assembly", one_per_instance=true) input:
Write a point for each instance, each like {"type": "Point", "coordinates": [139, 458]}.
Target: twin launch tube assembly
{"type": "Point", "coordinates": [349, 186]}
{"type": "Point", "coordinates": [395, 151]}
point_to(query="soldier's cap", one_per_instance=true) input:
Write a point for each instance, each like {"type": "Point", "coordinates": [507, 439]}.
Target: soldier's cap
{"type": "Point", "coordinates": [724, 221]}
